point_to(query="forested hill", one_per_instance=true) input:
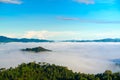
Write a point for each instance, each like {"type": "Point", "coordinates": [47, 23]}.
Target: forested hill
{"type": "Point", "coordinates": [6, 39]}
{"type": "Point", "coordinates": [44, 71]}
{"type": "Point", "coordinates": [36, 49]}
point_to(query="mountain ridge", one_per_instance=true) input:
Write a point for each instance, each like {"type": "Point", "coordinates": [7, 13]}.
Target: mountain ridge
{"type": "Point", "coordinates": [97, 40]}
{"type": "Point", "coordinates": [5, 39]}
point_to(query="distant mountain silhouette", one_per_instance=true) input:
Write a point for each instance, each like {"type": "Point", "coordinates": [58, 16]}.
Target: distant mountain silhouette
{"type": "Point", "coordinates": [6, 39]}
{"type": "Point", "coordinates": [100, 40]}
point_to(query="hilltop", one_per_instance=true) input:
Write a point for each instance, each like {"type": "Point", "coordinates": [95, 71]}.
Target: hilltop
{"type": "Point", "coordinates": [36, 49]}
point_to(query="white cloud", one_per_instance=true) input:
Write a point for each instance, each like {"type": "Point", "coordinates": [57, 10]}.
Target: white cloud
{"type": "Point", "coordinates": [11, 1]}
{"type": "Point", "coordinates": [65, 35]}
{"type": "Point", "coordinates": [50, 34]}
{"type": "Point", "coordinates": [89, 21]}
{"type": "Point", "coordinates": [10, 35]}
{"type": "Point", "coordinates": [44, 34]}
{"type": "Point", "coordinates": [67, 18]}
{"type": "Point", "coordinates": [108, 35]}
{"type": "Point", "coordinates": [86, 1]}
{"type": "Point", "coordinates": [69, 35]}
{"type": "Point", "coordinates": [95, 1]}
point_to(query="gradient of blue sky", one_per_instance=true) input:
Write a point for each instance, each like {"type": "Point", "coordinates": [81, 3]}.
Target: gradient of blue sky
{"type": "Point", "coordinates": [60, 19]}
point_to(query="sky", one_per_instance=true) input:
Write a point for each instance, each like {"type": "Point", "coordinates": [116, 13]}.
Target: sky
{"type": "Point", "coordinates": [60, 19]}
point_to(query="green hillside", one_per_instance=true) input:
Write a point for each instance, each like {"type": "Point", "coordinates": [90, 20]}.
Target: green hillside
{"type": "Point", "coordinates": [45, 71]}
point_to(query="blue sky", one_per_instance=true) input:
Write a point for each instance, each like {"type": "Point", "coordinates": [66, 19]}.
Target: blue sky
{"type": "Point", "coordinates": [60, 19]}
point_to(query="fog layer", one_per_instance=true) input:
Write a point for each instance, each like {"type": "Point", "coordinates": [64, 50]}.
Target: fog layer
{"type": "Point", "coordinates": [80, 57]}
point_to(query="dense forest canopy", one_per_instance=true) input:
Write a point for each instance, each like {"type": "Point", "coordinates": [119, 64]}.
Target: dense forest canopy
{"type": "Point", "coordinates": [45, 71]}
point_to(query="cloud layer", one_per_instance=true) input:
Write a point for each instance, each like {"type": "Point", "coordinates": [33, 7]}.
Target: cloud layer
{"type": "Point", "coordinates": [89, 21]}
{"type": "Point", "coordinates": [83, 57]}
{"type": "Point", "coordinates": [11, 1]}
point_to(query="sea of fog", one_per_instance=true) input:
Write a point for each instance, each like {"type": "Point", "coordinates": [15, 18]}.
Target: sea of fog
{"type": "Point", "coordinates": [79, 57]}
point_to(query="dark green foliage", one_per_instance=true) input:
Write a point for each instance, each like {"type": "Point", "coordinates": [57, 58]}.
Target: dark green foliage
{"type": "Point", "coordinates": [36, 49]}
{"type": "Point", "coordinates": [45, 71]}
